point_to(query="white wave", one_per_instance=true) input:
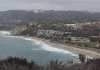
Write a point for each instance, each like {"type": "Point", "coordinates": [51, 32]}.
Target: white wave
{"type": "Point", "coordinates": [5, 33]}
{"type": "Point", "coordinates": [50, 48]}
{"type": "Point", "coordinates": [19, 37]}
{"type": "Point", "coordinates": [44, 46]}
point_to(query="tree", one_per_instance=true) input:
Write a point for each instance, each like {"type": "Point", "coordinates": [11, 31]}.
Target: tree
{"type": "Point", "coordinates": [82, 58]}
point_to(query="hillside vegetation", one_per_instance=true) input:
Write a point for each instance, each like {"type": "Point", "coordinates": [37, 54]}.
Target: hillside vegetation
{"type": "Point", "coordinates": [14, 63]}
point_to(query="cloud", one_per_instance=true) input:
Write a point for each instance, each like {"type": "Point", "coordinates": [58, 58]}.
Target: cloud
{"type": "Point", "coordinates": [89, 5]}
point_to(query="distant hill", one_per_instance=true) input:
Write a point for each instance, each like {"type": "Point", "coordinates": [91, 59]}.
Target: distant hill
{"type": "Point", "coordinates": [12, 17]}
{"type": "Point", "coordinates": [20, 15]}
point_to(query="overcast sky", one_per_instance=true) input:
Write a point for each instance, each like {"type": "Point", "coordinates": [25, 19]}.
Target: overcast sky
{"type": "Point", "coordinates": [81, 5]}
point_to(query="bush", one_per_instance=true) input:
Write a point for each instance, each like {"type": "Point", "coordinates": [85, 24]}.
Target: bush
{"type": "Point", "coordinates": [14, 63]}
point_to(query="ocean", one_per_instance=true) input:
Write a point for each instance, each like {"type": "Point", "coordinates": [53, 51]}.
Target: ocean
{"type": "Point", "coordinates": [32, 49]}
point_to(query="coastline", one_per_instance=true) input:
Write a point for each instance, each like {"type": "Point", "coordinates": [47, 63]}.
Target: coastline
{"type": "Point", "coordinates": [74, 50]}
{"type": "Point", "coordinates": [71, 49]}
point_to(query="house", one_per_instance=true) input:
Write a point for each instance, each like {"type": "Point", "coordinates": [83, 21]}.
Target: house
{"type": "Point", "coordinates": [52, 33]}
{"type": "Point", "coordinates": [77, 39]}
{"type": "Point", "coordinates": [94, 39]}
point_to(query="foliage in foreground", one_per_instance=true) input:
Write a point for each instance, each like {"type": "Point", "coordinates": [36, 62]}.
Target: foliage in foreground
{"type": "Point", "coordinates": [14, 63]}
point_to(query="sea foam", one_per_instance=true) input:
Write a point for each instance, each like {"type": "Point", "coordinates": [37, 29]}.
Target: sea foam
{"type": "Point", "coordinates": [5, 33]}
{"type": "Point", "coordinates": [44, 45]}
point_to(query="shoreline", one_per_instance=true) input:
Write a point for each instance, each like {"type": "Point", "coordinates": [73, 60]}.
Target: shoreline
{"type": "Point", "coordinates": [45, 44]}
{"type": "Point", "coordinates": [71, 48]}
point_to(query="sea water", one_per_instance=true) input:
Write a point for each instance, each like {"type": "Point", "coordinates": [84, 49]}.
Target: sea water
{"type": "Point", "coordinates": [31, 49]}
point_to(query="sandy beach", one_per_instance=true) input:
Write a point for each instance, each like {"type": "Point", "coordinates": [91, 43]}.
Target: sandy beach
{"type": "Point", "coordinates": [70, 48]}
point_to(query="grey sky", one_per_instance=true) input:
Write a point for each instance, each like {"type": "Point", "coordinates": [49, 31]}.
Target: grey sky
{"type": "Point", "coordinates": [84, 5]}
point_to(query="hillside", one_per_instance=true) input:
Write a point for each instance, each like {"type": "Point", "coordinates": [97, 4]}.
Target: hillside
{"type": "Point", "coordinates": [15, 15]}
{"type": "Point", "coordinates": [86, 35]}
{"type": "Point", "coordinates": [23, 64]}
{"type": "Point", "coordinates": [11, 18]}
